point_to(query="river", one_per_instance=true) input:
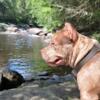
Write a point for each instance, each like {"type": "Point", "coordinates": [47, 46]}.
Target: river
{"type": "Point", "coordinates": [21, 53]}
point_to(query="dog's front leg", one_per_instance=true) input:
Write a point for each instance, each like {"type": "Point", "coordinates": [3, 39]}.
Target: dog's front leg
{"type": "Point", "coordinates": [88, 96]}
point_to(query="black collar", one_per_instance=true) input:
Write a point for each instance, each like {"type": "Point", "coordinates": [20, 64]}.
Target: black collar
{"type": "Point", "coordinates": [87, 57]}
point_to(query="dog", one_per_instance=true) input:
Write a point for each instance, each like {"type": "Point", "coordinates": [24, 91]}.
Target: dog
{"type": "Point", "coordinates": [70, 48]}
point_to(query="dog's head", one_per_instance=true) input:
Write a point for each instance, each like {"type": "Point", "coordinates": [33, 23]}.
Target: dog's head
{"type": "Point", "coordinates": [60, 49]}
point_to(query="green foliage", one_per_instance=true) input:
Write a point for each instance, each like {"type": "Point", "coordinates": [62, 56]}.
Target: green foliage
{"type": "Point", "coordinates": [44, 14]}
{"type": "Point", "coordinates": [96, 35]}
{"type": "Point", "coordinates": [52, 13]}
{"type": "Point", "coordinates": [14, 10]}
{"type": "Point", "coordinates": [30, 11]}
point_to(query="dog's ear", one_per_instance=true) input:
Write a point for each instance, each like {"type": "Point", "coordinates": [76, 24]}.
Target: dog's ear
{"type": "Point", "coordinates": [70, 32]}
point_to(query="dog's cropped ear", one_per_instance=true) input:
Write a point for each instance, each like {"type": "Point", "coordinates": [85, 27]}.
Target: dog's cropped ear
{"type": "Point", "coordinates": [70, 32]}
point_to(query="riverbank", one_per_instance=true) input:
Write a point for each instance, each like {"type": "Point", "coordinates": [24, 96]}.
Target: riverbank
{"type": "Point", "coordinates": [41, 90]}
{"type": "Point", "coordinates": [42, 87]}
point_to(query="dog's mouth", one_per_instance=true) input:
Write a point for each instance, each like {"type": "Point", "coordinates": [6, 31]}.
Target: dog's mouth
{"type": "Point", "coordinates": [57, 61]}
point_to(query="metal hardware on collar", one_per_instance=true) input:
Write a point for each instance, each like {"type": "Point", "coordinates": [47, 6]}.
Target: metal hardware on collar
{"type": "Point", "coordinates": [87, 57]}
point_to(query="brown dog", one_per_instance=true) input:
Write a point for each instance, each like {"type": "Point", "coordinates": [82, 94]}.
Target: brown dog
{"type": "Point", "coordinates": [70, 48]}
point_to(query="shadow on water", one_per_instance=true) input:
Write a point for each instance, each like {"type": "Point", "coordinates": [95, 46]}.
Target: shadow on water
{"type": "Point", "coordinates": [20, 53]}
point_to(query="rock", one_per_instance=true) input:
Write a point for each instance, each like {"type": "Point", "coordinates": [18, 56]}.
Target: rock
{"type": "Point", "coordinates": [68, 77]}
{"type": "Point", "coordinates": [44, 73]}
{"type": "Point", "coordinates": [41, 78]}
{"type": "Point", "coordinates": [34, 31]}
{"type": "Point", "coordinates": [12, 28]}
{"type": "Point", "coordinates": [22, 31]}
{"type": "Point", "coordinates": [42, 34]}
{"type": "Point", "coordinates": [0, 79]}
{"type": "Point", "coordinates": [3, 27]}
{"type": "Point", "coordinates": [10, 79]}
{"type": "Point", "coordinates": [23, 26]}
{"type": "Point", "coordinates": [55, 77]}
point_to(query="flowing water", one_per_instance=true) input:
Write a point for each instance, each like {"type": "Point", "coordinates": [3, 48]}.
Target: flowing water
{"type": "Point", "coordinates": [21, 53]}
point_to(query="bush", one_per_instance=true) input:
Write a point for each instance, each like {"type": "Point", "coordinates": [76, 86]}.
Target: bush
{"type": "Point", "coordinates": [96, 35]}
{"type": "Point", "coordinates": [44, 14]}
{"type": "Point", "coordinates": [30, 11]}
{"type": "Point", "coordinates": [14, 10]}
{"type": "Point", "coordinates": [52, 13]}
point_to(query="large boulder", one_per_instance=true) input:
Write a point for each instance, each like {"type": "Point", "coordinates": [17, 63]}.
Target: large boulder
{"type": "Point", "coordinates": [10, 79]}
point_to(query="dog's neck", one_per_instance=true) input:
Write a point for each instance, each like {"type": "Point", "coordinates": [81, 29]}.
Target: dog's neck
{"type": "Point", "coordinates": [81, 48]}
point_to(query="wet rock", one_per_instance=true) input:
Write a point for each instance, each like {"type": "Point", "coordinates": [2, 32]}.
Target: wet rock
{"type": "Point", "coordinates": [34, 31]}
{"type": "Point", "coordinates": [23, 26]}
{"type": "Point", "coordinates": [41, 78]}
{"type": "Point", "coordinates": [59, 79]}
{"type": "Point", "coordinates": [22, 29]}
{"type": "Point", "coordinates": [10, 79]}
{"type": "Point", "coordinates": [12, 28]}
{"type": "Point", "coordinates": [68, 77]}
{"type": "Point", "coordinates": [44, 73]}
{"type": "Point", "coordinates": [3, 27]}
{"type": "Point", "coordinates": [56, 78]}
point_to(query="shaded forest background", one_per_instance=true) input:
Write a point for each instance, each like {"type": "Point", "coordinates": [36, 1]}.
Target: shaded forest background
{"type": "Point", "coordinates": [51, 14]}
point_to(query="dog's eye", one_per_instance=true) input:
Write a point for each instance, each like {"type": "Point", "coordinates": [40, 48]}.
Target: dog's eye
{"type": "Point", "coordinates": [52, 43]}
{"type": "Point", "coordinates": [66, 41]}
